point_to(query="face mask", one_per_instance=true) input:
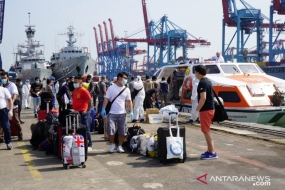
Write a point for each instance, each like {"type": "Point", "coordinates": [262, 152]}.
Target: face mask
{"type": "Point", "coordinates": [75, 85]}
{"type": "Point", "coordinates": [124, 81]}
{"type": "Point", "coordinates": [89, 80]}
{"type": "Point", "coordinates": [27, 83]}
{"type": "Point", "coordinates": [4, 81]}
{"type": "Point", "coordinates": [37, 81]}
{"type": "Point", "coordinates": [21, 83]}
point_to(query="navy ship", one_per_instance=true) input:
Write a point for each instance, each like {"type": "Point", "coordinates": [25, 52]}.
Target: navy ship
{"type": "Point", "coordinates": [32, 62]}
{"type": "Point", "coordinates": [72, 60]}
{"type": "Point", "coordinates": [275, 69]}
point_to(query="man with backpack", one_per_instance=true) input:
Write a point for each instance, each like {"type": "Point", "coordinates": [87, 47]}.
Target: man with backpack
{"type": "Point", "coordinates": [102, 92]}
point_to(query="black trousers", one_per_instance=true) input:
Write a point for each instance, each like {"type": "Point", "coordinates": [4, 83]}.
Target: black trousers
{"type": "Point", "coordinates": [61, 103]}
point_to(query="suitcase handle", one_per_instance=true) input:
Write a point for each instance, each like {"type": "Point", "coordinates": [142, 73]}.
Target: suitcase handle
{"type": "Point", "coordinates": [170, 113]}
{"type": "Point", "coordinates": [68, 121]}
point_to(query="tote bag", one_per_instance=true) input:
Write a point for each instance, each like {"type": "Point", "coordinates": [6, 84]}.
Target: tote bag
{"type": "Point", "coordinates": [174, 145]}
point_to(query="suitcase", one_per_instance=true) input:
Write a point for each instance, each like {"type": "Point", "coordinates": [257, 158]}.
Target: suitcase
{"type": "Point", "coordinates": [92, 119]}
{"type": "Point", "coordinates": [14, 131]}
{"type": "Point", "coordinates": [100, 127]}
{"type": "Point", "coordinates": [162, 133]}
{"type": "Point", "coordinates": [43, 113]}
{"type": "Point", "coordinates": [73, 144]}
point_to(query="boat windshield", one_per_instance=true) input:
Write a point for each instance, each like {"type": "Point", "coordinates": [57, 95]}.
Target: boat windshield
{"type": "Point", "coordinates": [260, 70]}
{"type": "Point", "coordinates": [248, 69]}
{"type": "Point", "coordinates": [230, 69]}
{"type": "Point", "coordinates": [211, 69]}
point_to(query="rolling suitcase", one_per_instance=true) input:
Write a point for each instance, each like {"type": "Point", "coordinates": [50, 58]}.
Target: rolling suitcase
{"type": "Point", "coordinates": [43, 113]}
{"type": "Point", "coordinates": [92, 119]}
{"type": "Point", "coordinates": [162, 133]}
{"type": "Point", "coordinates": [73, 145]}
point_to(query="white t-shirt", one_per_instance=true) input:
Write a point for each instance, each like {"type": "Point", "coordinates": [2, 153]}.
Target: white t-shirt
{"type": "Point", "coordinates": [12, 88]}
{"type": "Point", "coordinates": [220, 59]}
{"type": "Point", "coordinates": [4, 95]}
{"type": "Point", "coordinates": [119, 105]}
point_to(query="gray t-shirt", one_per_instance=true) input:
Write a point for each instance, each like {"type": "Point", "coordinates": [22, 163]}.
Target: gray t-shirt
{"type": "Point", "coordinates": [101, 86]}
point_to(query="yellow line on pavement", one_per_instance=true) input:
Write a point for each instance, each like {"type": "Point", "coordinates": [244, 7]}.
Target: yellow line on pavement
{"type": "Point", "coordinates": [28, 160]}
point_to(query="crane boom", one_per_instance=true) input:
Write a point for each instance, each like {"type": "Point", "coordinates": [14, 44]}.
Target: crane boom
{"type": "Point", "coordinates": [106, 35]}
{"type": "Point", "coordinates": [101, 37]}
{"type": "Point", "coordinates": [112, 34]}
{"type": "Point", "coordinates": [145, 19]}
{"type": "Point", "coordinates": [96, 40]}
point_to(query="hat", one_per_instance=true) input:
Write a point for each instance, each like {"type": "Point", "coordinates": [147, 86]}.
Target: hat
{"type": "Point", "coordinates": [51, 78]}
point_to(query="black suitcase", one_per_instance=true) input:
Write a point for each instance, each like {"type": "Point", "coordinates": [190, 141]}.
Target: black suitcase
{"type": "Point", "coordinates": [81, 130]}
{"type": "Point", "coordinates": [162, 133]}
{"type": "Point", "coordinates": [100, 127]}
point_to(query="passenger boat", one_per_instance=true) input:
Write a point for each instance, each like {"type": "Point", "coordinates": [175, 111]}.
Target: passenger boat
{"type": "Point", "coordinates": [248, 93]}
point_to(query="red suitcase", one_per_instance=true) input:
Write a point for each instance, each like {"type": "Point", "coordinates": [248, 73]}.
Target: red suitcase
{"type": "Point", "coordinates": [43, 113]}
{"type": "Point", "coordinates": [14, 131]}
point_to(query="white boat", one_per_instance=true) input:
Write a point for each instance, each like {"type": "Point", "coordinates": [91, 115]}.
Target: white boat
{"type": "Point", "coordinates": [32, 62]}
{"type": "Point", "coordinates": [247, 91]}
{"type": "Point", "coordinates": [72, 60]}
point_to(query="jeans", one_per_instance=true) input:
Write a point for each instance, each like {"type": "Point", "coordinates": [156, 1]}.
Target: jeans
{"type": "Point", "coordinates": [53, 102]}
{"type": "Point", "coordinates": [36, 103]}
{"type": "Point", "coordinates": [85, 121]}
{"type": "Point", "coordinates": [100, 104]}
{"type": "Point", "coordinates": [5, 124]}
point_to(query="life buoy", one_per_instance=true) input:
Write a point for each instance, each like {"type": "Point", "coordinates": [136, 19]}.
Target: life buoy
{"type": "Point", "coordinates": [187, 84]}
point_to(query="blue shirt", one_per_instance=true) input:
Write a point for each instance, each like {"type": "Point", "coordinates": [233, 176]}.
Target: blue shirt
{"type": "Point", "coordinates": [64, 90]}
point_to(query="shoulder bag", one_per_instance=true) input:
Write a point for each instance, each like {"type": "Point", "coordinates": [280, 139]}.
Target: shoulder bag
{"type": "Point", "coordinates": [109, 105]}
{"type": "Point", "coordinates": [220, 112]}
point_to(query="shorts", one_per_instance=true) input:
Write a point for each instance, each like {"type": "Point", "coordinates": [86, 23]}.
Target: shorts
{"type": "Point", "coordinates": [116, 122]}
{"type": "Point", "coordinates": [206, 119]}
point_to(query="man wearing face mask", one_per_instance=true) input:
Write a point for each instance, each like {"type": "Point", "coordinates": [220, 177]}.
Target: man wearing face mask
{"type": "Point", "coordinates": [35, 91]}
{"type": "Point", "coordinates": [19, 85]}
{"type": "Point", "coordinates": [26, 93]}
{"type": "Point", "coordinates": [81, 102]}
{"type": "Point", "coordinates": [116, 120]}
{"type": "Point", "coordinates": [12, 88]}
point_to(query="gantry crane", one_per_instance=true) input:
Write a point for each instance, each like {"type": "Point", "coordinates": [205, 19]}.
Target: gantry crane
{"type": "Point", "coordinates": [166, 38]}
{"type": "Point", "coordinates": [247, 21]}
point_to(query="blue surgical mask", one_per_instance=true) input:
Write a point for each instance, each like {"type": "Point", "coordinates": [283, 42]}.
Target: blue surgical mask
{"type": "Point", "coordinates": [124, 81]}
{"type": "Point", "coordinates": [37, 81]}
{"type": "Point", "coordinates": [75, 85]}
{"type": "Point", "coordinates": [4, 81]}
{"type": "Point", "coordinates": [21, 83]}
{"type": "Point", "coordinates": [88, 80]}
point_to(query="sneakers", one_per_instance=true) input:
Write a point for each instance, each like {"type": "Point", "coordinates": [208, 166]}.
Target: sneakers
{"type": "Point", "coordinates": [134, 121]}
{"type": "Point", "coordinates": [89, 149]}
{"type": "Point", "coordinates": [120, 149]}
{"type": "Point", "coordinates": [9, 146]}
{"type": "Point", "coordinates": [191, 121]}
{"type": "Point", "coordinates": [112, 147]}
{"type": "Point", "coordinates": [209, 156]}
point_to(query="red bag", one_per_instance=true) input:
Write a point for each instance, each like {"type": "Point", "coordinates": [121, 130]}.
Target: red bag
{"type": "Point", "coordinates": [43, 113]}
{"type": "Point", "coordinates": [14, 131]}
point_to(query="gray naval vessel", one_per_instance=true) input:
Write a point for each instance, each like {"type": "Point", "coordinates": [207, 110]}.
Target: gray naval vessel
{"type": "Point", "coordinates": [72, 60]}
{"type": "Point", "coordinates": [32, 62]}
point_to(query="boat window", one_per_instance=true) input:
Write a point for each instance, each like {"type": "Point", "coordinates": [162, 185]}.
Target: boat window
{"type": "Point", "coordinates": [258, 68]}
{"type": "Point", "coordinates": [72, 51]}
{"type": "Point", "coordinates": [76, 51]}
{"type": "Point", "coordinates": [230, 69]}
{"type": "Point", "coordinates": [248, 69]}
{"type": "Point", "coordinates": [65, 51]}
{"type": "Point", "coordinates": [80, 51]}
{"type": "Point", "coordinates": [69, 51]}
{"type": "Point", "coordinates": [211, 69]}
{"type": "Point", "coordinates": [229, 96]}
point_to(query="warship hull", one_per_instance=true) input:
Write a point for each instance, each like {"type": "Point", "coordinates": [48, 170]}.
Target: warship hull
{"type": "Point", "coordinates": [82, 65]}
{"type": "Point", "coordinates": [32, 73]}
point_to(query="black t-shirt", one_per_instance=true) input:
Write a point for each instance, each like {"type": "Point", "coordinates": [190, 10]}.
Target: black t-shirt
{"type": "Point", "coordinates": [205, 85]}
{"type": "Point", "coordinates": [36, 87]}
{"type": "Point", "coordinates": [151, 91]}
{"type": "Point", "coordinates": [44, 96]}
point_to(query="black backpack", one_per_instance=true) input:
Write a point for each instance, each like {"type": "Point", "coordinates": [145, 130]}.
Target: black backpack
{"type": "Point", "coordinates": [96, 89]}
{"type": "Point", "coordinates": [39, 132]}
{"type": "Point", "coordinates": [134, 131]}
{"type": "Point", "coordinates": [64, 113]}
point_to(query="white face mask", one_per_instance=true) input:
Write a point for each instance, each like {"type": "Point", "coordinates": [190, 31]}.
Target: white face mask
{"type": "Point", "coordinates": [124, 81]}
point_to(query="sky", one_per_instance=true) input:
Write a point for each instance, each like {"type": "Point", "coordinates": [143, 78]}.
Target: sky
{"type": "Point", "coordinates": [201, 18]}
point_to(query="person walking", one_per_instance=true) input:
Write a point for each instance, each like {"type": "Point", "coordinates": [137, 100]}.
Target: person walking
{"type": "Point", "coordinates": [19, 84]}
{"type": "Point", "coordinates": [206, 108]}
{"type": "Point", "coordinates": [163, 92]}
{"type": "Point", "coordinates": [148, 84]}
{"type": "Point", "coordinates": [102, 93]}
{"type": "Point", "coordinates": [116, 120]}
{"type": "Point", "coordinates": [35, 91]}
{"type": "Point", "coordinates": [53, 88]}
{"type": "Point", "coordinates": [138, 101]}
{"type": "Point", "coordinates": [81, 102]}
{"type": "Point", "coordinates": [12, 88]}
{"type": "Point", "coordinates": [60, 96]}
{"type": "Point", "coordinates": [6, 112]}
{"type": "Point", "coordinates": [26, 92]}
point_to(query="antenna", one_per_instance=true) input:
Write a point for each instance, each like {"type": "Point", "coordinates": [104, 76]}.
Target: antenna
{"type": "Point", "coordinates": [29, 17]}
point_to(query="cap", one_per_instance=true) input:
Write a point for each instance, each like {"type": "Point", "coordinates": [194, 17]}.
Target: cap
{"type": "Point", "coordinates": [51, 78]}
